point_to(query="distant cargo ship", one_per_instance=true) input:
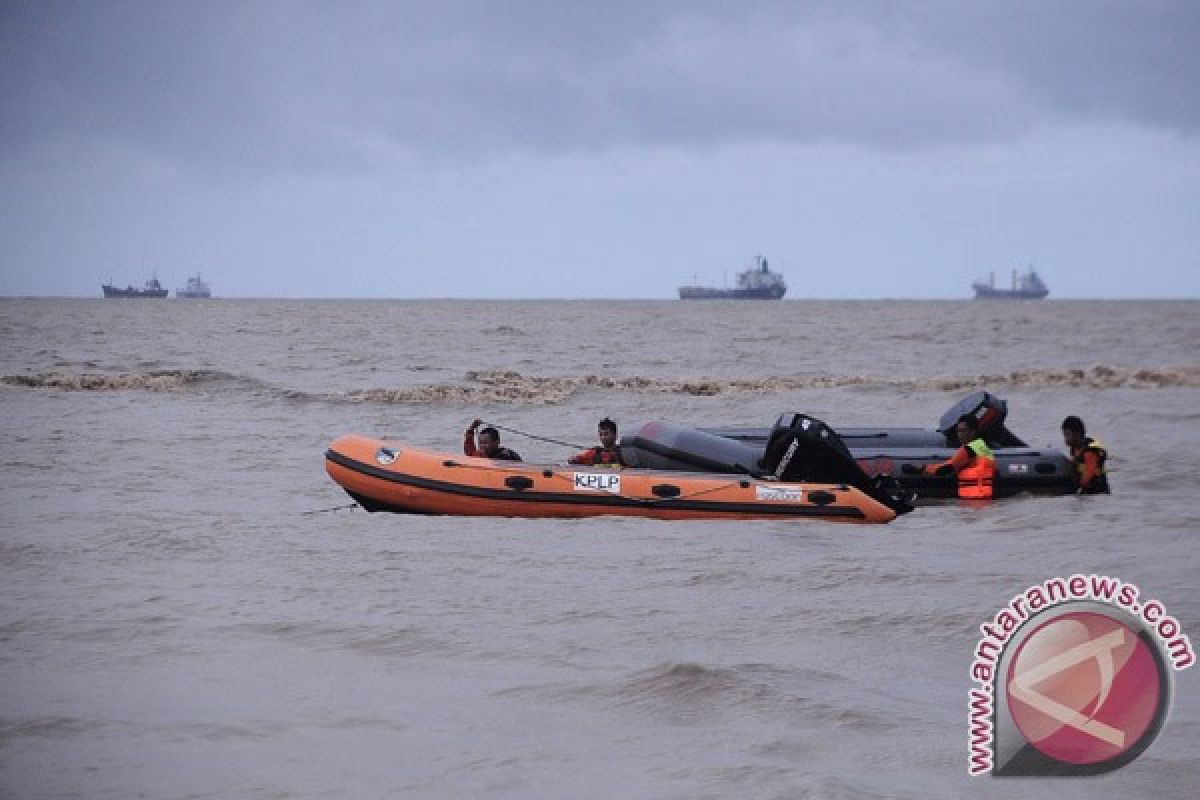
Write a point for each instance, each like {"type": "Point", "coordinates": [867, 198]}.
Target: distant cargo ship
{"type": "Point", "coordinates": [1025, 286]}
{"type": "Point", "coordinates": [756, 283]}
{"type": "Point", "coordinates": [196, 289]}
{"type": "Point", "coordinates": [152, 289]}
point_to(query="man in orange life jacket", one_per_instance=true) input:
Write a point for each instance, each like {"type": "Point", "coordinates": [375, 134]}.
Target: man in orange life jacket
{"type": "Point", "coordinates": [489, 444]}
{"type": "Point", "coordinates": [1089, 457]}
{"type": "Point", "coordinates": [973, 462]}
{"type": "Point", "coordinates": [608, 454]}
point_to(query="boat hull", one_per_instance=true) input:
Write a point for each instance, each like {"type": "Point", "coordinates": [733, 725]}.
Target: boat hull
{"type": "Point", "coordinates": [196, 289]}
{"type": "Point", "coordinates": [705, 293]}
{"type": "Point", "coordinates": [984, 292]}
{"type": "Point", "coordinates": [394, 477]}
{"type": "Point", "coordinates": [113, 291]}
{"type": "Point", "coordinates": [904, 452]}
{"type": "Point", "coordinates": [1018, 471]}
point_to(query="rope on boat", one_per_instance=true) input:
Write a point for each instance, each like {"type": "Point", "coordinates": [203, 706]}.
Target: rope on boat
{"type": "Point", "coordinates": [645, 501]}
{"type": "Point", "coordinates": [331, 508]}
{"type": "Point", "coordinates": [698, 492]}
{"type": "Point", "coordinates": [655, 501]}
{"type": "Point", "coordinates": [500, 427]}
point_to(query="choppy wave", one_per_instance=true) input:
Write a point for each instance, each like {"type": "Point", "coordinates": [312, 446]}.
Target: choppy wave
{"type": "Point", "coordinates": [760, 687]}
{"type": "Point", "coordinates": [673, 685]}
{"type": "Point", "coordinates": [45, 727]}
{"type": "Point", "coordinates": [155, 381]}
{"type": "Point", "coordinates": [504, 330]}
{"type": "Point", "coordinates": [507, 386]}
{"type": "Point", "coordinates": [365, 639]}
{"type": "Point", "coordinates": [685, 689]}
{"type": "Point", "coordinates": [515, 387]}
{"type": "Point", "coordinates": [1098, 377]}
{"type": "Point", "coordinates": [687, 682]}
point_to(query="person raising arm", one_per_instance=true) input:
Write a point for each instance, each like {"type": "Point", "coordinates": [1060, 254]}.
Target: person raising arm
{"type": "Point", "coordinates": [489, 444]}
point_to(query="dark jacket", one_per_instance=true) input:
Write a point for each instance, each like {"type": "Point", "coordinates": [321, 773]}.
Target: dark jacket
{"type": "Point", "coordinates": [502, 454]}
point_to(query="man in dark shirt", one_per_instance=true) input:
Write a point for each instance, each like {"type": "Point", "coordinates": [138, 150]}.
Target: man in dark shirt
{"type": "Point", "coordinates": [489, 444]}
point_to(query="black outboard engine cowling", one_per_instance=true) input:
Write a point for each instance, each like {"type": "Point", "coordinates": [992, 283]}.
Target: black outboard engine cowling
{"type": "Point", "coordinates": [802, 448]}
{"type": "Point", "coordinates": [989, 412]}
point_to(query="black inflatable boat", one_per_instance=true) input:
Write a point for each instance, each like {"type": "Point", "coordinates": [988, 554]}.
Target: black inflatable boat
{"type": "Point", "coordinates": [798, 449]}
{"type": "Point", "coordinates": [895, 453]}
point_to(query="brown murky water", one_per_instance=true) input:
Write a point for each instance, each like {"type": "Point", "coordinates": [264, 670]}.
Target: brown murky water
{"type": "Point", "coordinates": [174, 624]}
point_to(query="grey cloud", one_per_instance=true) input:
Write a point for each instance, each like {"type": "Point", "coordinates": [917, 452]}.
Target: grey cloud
{"type": "Point", "coordinates": [323, 86]}
{"type": "Point", "coordinates": [1122, 59]}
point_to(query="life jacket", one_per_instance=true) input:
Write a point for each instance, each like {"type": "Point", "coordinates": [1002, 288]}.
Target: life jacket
{"type": "Point", "coordinates": [609, 459]}
{"type": "Point", "coordinates": [977, 479]}
{"type": "Point", "coordinates": [1098, 484]}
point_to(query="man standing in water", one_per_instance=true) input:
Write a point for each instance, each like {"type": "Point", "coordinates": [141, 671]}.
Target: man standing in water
{"type": "Point", "coordinates": [974, 462]}
{"type": "Point", "coordinates": [1089, 456]}
{"type": "Point", "coordinates": [608, 454]}
{"type": "Point", "coordinates": [489, 444]}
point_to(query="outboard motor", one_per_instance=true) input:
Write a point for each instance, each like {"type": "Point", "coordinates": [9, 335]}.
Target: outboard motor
{"type": "Point", "coordinates": [802, 448]}
{"type": "Point", "coordinates": [661, 445]}
{"type": "Point", "coordinates": [989, 412]}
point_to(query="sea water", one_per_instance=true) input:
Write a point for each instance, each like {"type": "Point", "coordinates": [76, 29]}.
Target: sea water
{"type": "Point", "coordinates": [183, 613]}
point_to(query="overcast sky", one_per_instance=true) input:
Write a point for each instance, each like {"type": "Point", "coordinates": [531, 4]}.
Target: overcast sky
{"type": "Point", "coordinates": [613, 149]}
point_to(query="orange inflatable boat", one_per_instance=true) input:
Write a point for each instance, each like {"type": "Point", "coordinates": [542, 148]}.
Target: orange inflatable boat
{"type": "Point", "coordinates": [386, 476]}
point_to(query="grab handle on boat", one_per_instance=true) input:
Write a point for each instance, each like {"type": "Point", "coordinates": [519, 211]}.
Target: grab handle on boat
{"type": "Point", "coordinates": [518, 482]}
{"type": "Point", "coordinates": [665, 490]}
{"type": "Point", "coordinates": [820, 497]}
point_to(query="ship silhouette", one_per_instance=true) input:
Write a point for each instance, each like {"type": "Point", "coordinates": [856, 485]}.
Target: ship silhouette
{"type": "Point", "coordinates": [1025, 286]}
{"type": "Point", "coordinates": [756, 283]}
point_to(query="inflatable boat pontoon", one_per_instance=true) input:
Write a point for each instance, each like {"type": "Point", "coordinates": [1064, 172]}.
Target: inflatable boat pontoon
{"type": "Point", "coordinates": [812, 477]}
{"type": "Point", "coordinates": [900, 452]}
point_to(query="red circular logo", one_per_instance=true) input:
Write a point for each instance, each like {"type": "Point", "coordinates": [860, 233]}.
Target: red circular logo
{"type": "Point", "coordinates": [1084, 688]}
